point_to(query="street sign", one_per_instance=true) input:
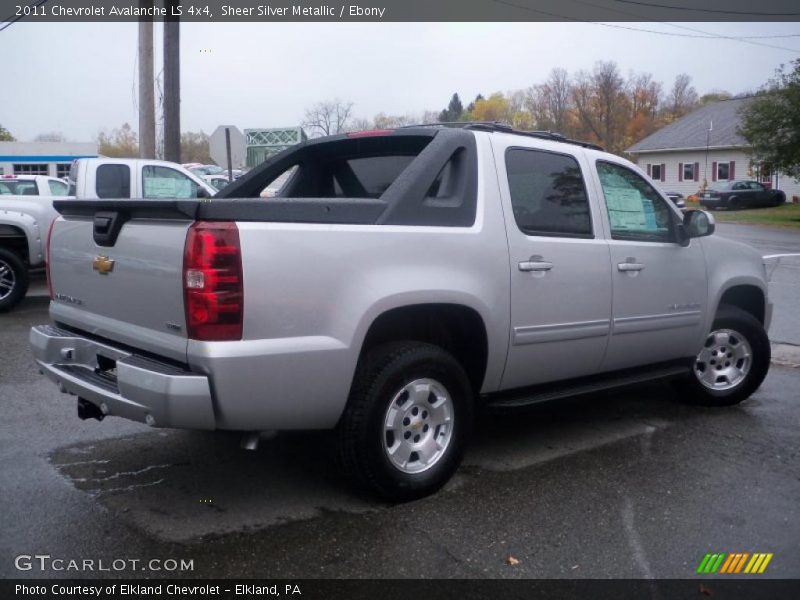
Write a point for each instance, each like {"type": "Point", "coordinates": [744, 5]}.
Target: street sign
{"type": "Point", "coordinates": [216, 146]}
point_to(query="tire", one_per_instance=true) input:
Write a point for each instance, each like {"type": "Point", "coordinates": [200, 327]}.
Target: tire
{"type": "Point", "coordinates": [13, 279]}
{"type": "Point", "coordinates": [779, 199]}
{"type": "Point", "coordinates": [737, 333]}
{"type": "Point", "coordinates": [734, 203]}
{"type": "Point", "coordinates": [397, 384]}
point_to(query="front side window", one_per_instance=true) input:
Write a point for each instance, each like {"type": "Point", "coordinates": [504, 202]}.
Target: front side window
{"type": "Point", "coordinates": [548, 195]}
{"type": "Point", "coordinates": [635, 210]}
{"type": "Point", "coordinates": [754, 185]}
{"type": "Point", "coordinates": [164, 182]}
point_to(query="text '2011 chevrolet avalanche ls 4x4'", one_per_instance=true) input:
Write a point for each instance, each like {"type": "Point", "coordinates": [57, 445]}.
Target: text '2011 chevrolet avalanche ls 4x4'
{"type": "Point", "coordinates": [398, 281]}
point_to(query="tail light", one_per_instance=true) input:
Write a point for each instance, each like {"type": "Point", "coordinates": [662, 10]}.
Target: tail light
{"type": "Point", "coordinates": [212, 282]}
{"type": "Point", "coordinates": [47, 259]}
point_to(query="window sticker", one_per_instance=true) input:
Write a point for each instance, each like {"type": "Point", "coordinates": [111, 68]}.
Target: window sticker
{"type": "Point", "coordinates": [626, 208]}
{"type": "Point", "coordinates": [167, 187]}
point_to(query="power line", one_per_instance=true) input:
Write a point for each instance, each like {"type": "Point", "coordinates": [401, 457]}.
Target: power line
{"type": "Point", "coordinates": [9, 21]}
{"type": "Point", "coordinates": [707, 34]}
{"type": "Point", "coordinates": [711, 10]}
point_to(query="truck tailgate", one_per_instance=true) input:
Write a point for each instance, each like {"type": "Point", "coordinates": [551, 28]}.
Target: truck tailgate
{"type": "Point", "coordinates": [129, 291]}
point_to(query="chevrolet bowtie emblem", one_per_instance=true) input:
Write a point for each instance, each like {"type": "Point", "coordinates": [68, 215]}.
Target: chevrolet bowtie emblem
{"type": "Point", "coordinates": [103, 265]}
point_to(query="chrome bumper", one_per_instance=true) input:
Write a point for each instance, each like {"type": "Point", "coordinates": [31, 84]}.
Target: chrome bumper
{"type": "Point", "coordinates": [140, 389]}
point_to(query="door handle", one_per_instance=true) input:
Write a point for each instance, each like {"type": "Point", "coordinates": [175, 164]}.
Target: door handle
{"type": "Point", "coordinates": [630, 266]}
{"type": "Point", "coordinates": [535, 265]}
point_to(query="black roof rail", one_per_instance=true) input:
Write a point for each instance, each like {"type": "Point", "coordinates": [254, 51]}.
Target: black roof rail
{"type": "Point", "coordinates": [506, 128]}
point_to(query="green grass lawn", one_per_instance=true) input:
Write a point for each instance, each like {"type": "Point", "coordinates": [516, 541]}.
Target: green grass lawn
{"type": "Point", "coordinates": [787, 215]}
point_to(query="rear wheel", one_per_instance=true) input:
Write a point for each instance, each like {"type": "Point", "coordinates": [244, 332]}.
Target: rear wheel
{"type": "Point", "coordinates": [732, 363]}
{"type": "Point", "coordinates": [13, 279]}
{"type": "Point", "coordinates": [734, 203]}
{"type": "Point", "coordinates": [407, 421]}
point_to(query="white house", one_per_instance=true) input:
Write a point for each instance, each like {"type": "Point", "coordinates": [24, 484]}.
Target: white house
{"type": "Point", "coordinates": [42, 158]}
{"type": "Point", "coordinates": [704, 146]}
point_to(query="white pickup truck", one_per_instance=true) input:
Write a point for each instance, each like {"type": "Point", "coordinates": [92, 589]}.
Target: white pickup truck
{"type": "Point", "coordinates": [398, 281]}
{"type": "Point", "coordinates": [98, 178]}
{"type": "Point", "coordinates": [26, 211]}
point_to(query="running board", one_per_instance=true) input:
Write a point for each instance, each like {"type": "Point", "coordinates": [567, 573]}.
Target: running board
{"type": "Point", "coordinates": [586, 385]}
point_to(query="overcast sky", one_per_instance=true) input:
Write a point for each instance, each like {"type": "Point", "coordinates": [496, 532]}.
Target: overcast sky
{"type": "Point", "coordinates": [78, 78]}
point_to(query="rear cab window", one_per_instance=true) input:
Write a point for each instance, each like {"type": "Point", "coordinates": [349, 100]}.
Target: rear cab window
{"type": "Point", "coordinates": [351, 168]}
{"type": "Point", "coordinates": [421, 177]}
{"type": "Point", "coordinates": [18, 187]}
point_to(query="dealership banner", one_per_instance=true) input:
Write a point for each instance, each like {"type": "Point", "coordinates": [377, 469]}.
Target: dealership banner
{"type": "Point", "coordinates": [402, 589]}
{"type": "Point", "coordinates": [210, 11]}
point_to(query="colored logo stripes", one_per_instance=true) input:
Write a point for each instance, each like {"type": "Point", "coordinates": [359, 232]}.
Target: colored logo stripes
{"type": "Point", "coordinates": [740, 562]}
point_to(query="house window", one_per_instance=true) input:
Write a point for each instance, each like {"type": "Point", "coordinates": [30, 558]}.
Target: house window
{"type": "Point", "coordinates": [688, 172]}
{"type": "Point", "coordinates": [62, 170]}
{"type": "Point", "coordinates": [655, 172]}
{"type": "Point", "coordinates": [723, 171]}
{"type": "Point", "coordinates": [30, 169]}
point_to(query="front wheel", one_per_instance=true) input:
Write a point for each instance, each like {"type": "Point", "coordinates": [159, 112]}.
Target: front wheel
{"type": "Point", "coordinates": [732, 363]}
{"type": "Point", "coordinates": [407, 421]}
{"type": "Point", "coordinates": [13, 279]}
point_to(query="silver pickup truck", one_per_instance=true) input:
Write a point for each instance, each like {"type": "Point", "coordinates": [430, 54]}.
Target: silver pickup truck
{"type": "Point", "coordinates": [398, 281]}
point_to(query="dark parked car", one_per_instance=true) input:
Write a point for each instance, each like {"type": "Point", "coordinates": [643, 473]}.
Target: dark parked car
{"type": "Point", "coordinates": [677, 199]}
{"type": "Point", "coordinates": [741, 194]}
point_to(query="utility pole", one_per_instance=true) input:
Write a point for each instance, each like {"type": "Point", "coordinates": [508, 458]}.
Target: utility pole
{"type": "Point", "coordinates": [147, 117]}
{"type": "Point", "coordinates": [708, 143]}
{"type": "Point", "coordinates": [172, 88]}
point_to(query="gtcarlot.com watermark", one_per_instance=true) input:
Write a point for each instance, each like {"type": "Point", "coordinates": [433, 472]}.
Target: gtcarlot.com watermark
{"type": "Point", "coordinates": [48, 563]}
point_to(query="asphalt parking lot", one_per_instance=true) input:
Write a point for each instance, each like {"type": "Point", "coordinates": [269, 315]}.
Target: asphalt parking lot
{"type": "Point", "coordinates": [629, 484]}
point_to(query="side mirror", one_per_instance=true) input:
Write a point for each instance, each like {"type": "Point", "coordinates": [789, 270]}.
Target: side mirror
{"type": "Point", "coordinates": [202, 192]}
{"type": "Point", "coordinates": [698, 223]}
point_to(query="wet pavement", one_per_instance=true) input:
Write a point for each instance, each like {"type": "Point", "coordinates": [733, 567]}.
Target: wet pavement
{"type": "Point", "coordinates": [625, 484]}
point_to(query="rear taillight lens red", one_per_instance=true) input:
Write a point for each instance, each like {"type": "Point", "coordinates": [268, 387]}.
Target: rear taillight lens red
{"type": "Point", "coordinates": [47, 259]}
{"type": "Point", "coordinates": [212, 282]}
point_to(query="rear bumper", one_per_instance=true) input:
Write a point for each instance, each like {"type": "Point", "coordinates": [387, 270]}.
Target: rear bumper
{"type": "Point", "coordinates": [143, 389]}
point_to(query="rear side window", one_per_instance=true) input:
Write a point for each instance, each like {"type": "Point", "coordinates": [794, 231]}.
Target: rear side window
{"type": "Point", "coordinates": [548, 195]}
{"type": "Point", "coordinates": [57, 188]}
{"type": "Point", "coordinates": [113, 181]}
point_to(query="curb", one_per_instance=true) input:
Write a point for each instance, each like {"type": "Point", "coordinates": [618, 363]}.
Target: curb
{"type": "Point", "coordinates": [786, 355]}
